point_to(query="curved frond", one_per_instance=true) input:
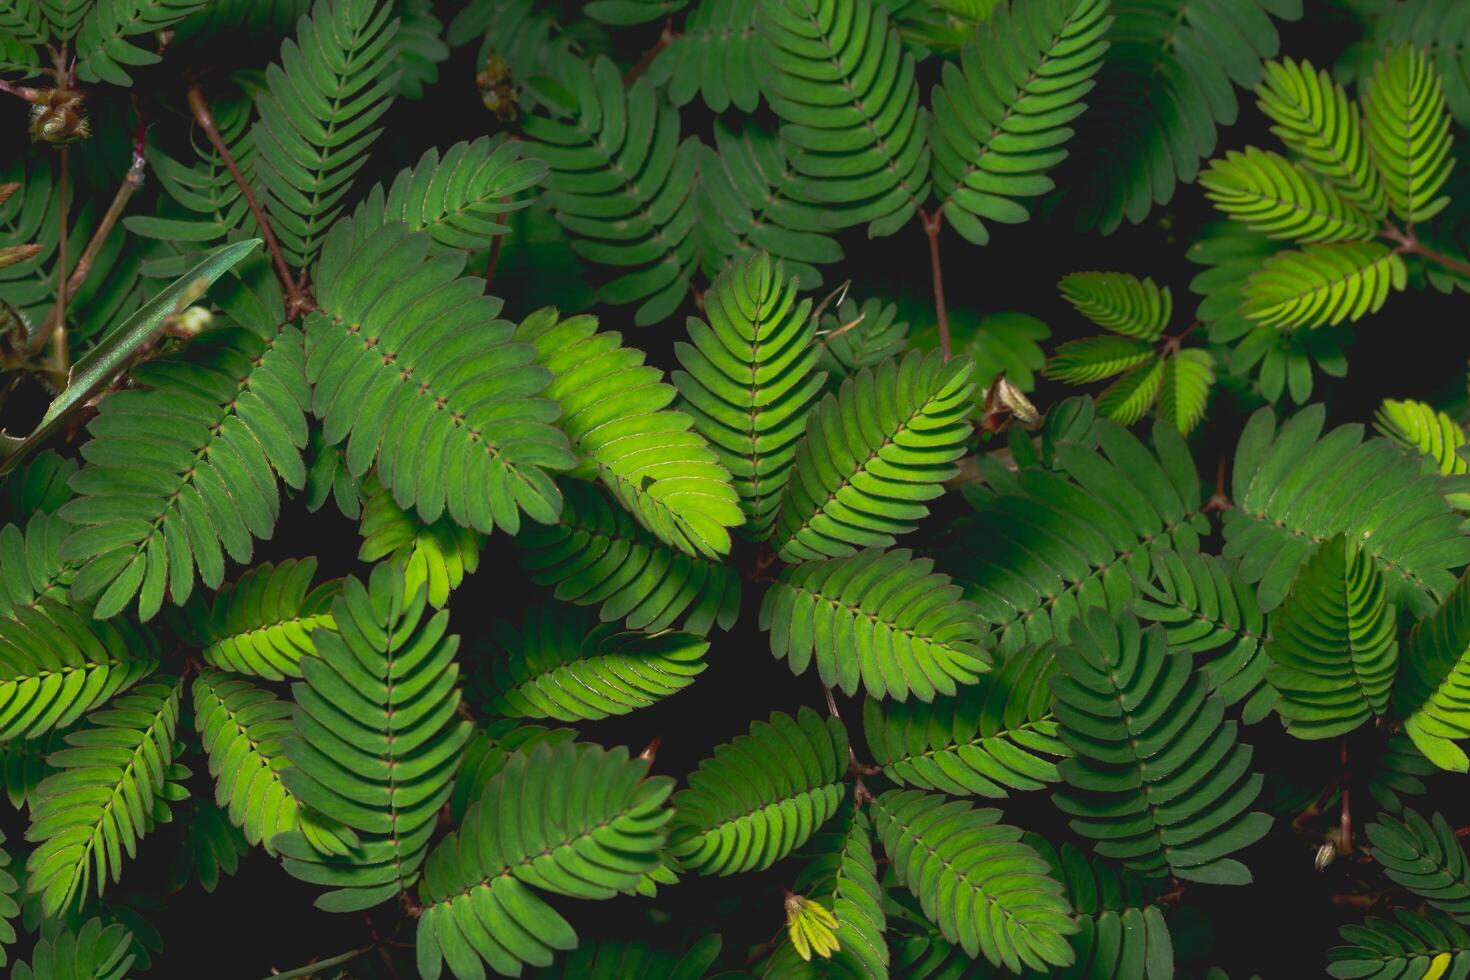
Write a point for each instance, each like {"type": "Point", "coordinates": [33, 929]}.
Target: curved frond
{"type": "Point", "coordinates": [317, 114]}
{"type": "Point", "coordinates": [873, 455]}
{"type": "Point", "coordinates": [1209, 612]}
{"type": "Point", "coordinates": [1128, 399]}
{"type": "Point", "coordinates": [620, 183]}
{"type": "Point", "coordinates": [418, 356]}
{"type": "Point", "coordinates": [995, 134]}
{"type": "Point", "coordinates": [1323, 285]}
{"type": "Point", "coordinates": [1432, 690]}
{"type": "Point", "coordinates": [714, 56]}
{"type": "Point", "coordinates": [615, 410]}
{"type": "Point", "coordinates": [38, 486]}
{"type": "Point", "coordinates": [376, 741]}
{"type": "Point", "coordinates": [115, 777]}
{"type": "Point", "coordinates": [560, 666]}
{"type": "Point", "coordinates": [1156, 776]}
{"type": "Point", "coordinates": [1332, 644]}
{"type": "Point", "coordinates": [1424, 430]}
{"type": "Point", "coordinates": [1408, 130]}
{"type": "Point", "coordinates": [992, 738]}
{"type": "Point", "coordinates": [1288, 492]}
{"type": "Point", "coordinates": [104, 52]}
{"type": "Point", "coordinates": [91, 952]}
{"type": "Point", "coordinates": [458, 199]}
{"type": "Point", "coordinates": [182, 468]}
{"type": "Point", "coordinates": [1184, 389]}
{"type": "Point", "coordinates": [1273, 195]}
{"type": "Point", "coordinates": [263, 624]}
{"type": "Point", "coordinates": [750, 200]}
{"type": "Point", "coordinates": [1406, 945]}
{"type": "Point", "coordinates": [1425, 857]}
{"type": "Point", "coordinates": [629, 958]}
{"type": "Point", "coordinates": [1116, 301]}
{"type": "Point", "coordinates": [56, 664]}
{"type": "Point", "coordinates": [1097, 358]}
{"type": "Point", "coordinates": [601, 838]}
{"type": "Point", "coordinates": [31, 567]}
{"type": "Point", "coordinates": [855, 336]}
{"type": "Point", "coordinates": [984, 888]}
{"type": "Point", "coordinates": [1323, 130]}
{"type": "Point", "coordinates": [750, 378]}
{"type": "Point", "coordinates": [435, 555]}
{"type": "Point", "coordinates": [597, 554]}
{"type": "Point", "coordinates": [884, 620]}
{"type": "Point", "coordinates": [839, 79]}
{"type": "Point", "coordinates": [760, 796]}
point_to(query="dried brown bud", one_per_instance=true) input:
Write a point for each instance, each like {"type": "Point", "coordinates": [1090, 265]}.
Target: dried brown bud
{"type": "Point", "coordinates": [1326, 854]}
{"type": "Point", "coordinates": [497, 89]}
{"type": "Point", "coordinates": [60, 117]}
{"type": "Point", "coordinates": [1004, 402]}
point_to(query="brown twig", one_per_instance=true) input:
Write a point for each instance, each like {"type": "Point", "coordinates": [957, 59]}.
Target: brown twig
{"type": "Point", "coordinates": [1345, 824]}
{"type": "Point", "coordinates": [494, 261]}
{"type": "Point", "coordinates": [1171, 345]}
{"type": "Point", "coordinates": [1408, 243]}
{"type": "Point", "coordinates": [57, 318]}
{"type": "Point", "coordinates": [1220, 499]}
{"type": "Point", "coordinates": [665, 37]}
{"type": "Point", "coordinates": [933, 224]}
{"type": "Point", "coordinates": [297, 301]}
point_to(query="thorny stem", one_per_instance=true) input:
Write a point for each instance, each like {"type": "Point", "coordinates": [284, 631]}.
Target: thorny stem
{"type": "Point", "coordinates": [933, 224]}
{"type": "Point", "coordinates": [1409, 244]}
{"type": "Point", "coordinates": [665, 37]}
{"type": "Point", "coordinates": [297, 302]}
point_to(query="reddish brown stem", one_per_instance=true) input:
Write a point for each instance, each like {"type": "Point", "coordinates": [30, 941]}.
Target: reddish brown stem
{"type": "Point", "coordinates": [663, 41]}
{"type": "Point", "coordinates": [21, 91]}
{"type": "Point", "coordinates": [1345, 826]}
{"type": "Point", "coordinates": [495, 245]}
{"type": "Point", "coordinates": [933, 224]}
{"type": "Point", "coordinates": [297, 302]}
{"type": "Point", "coordinates": [57, 318]}
{"type": "Point", "coordinates": [1409, 244]}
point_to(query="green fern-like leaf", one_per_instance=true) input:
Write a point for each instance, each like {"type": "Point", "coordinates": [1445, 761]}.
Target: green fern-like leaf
{"type": "Point", "coordinates": [1430, 691]}
{"type": "Point", "coordinates": [714, 57]}
{"type": "Point", "coordinates": [477, 888]}
{"type": "Point", "coordinates": [263, 624]}
{"type": "Point", "coordinates": [1184, 389]}
{"type": "Point", "coordinates": [1408, 130]}
{"type": "Point", "coordinates": [182, 468]}
{"type": "Point", "coordinates": [884, 620]}
{"type": "Point", "coordinates": [23, 766]}
{"type": "Point", "coordinates": [376, 741]}
{"type": "Point", "coordinates": [994, 737]}
{"type": "Point", "coordinates": [417, 376]}
{"type": "Point", "coordinates": [1208, 611]}
{"type": "Point", "coordinates": [1156, 776]}
{"type": "Point", "coordinates": [91, 952]}
{"type": "Point", "coordinates": [985, 889]}
{"type": "Point", "coordinates": [1168, 81]}
{"type": "Point", "coordinates": [760, 796]}
{"type": "Point", "coordinates": [461, 198]}
{"type": "Point", "coordinates": [1406, 945]}
{"type": "Point", "coordinates": [749, 380]}
{"type": "Point", "coordinates": [559, 666]}
{"type": "Point", "coordinates": [872, 455]}
{"type": "Point", "coordinates": [631, 958]}
{"type": "Point", "coordinates": [842, 874]}
{"type": "Point", "coordinates": [115, 777]}
{"type": "Point", "coordinates": [750, 200]}
{"type": "Point", "coordinates": [31, 567]}
{"type": "Point", "coordinates": [1288, 490]}
{"type": "Point", "coordinates": [57, 664]}
{"type": "Point", "coordinates": [1425, 857]}
{"type": "Point", "coordinates": [437, 556]}
{"type": "Point", "coordinates": [620, 184]}
{"type": "Point", "coordinates": [317, 115]}
{"type": "Point", "coordinates": [1272, 195]}
{"type": "Point", "coordinates": [1097, 358]}
{"type": "Point", "coordinates": [1323, 285]}
{"type": "Point", "coordinates": [838, 77]}
{"type": "Point", "coordinates": [1119, 302]}
{"type": "Point", "coordinates": [996, 134]}
{"type": "Point", "coordinates": [615, 411]}
{"type": "Point", "coordinates": [1425, 430]}
{"type": "Point", "coordinates": [1332, 644]}
{"type": "Point", "coordinates": [1323, 129]}
{"type": "Point", "coordinates": [855, 336]}
{"type": "Point", "coordinates": [1128, 399]}
{"type": "Point", "coordinates": [104, 51]}
{"type": "Point", "coordinates": [597, 554]}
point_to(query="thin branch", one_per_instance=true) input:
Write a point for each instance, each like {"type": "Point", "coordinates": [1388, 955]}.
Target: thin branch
{"type": "Point", "coordinates": [22, 92]}
{"type": "Point", "coordinates": [297, 302]}
{"type": "Point", "coordinates": [1408, 243]}
{"type": "Point", "coordinates": [59, 357]}
{"type": "Point", "coordinates": [668, 34]}
{"type": "Point", "coordinates": [1345, 825]}
{"type": "Point", "coordinates": [933, 224]}
{"type": "Point", "coordinates": [495, 246]}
